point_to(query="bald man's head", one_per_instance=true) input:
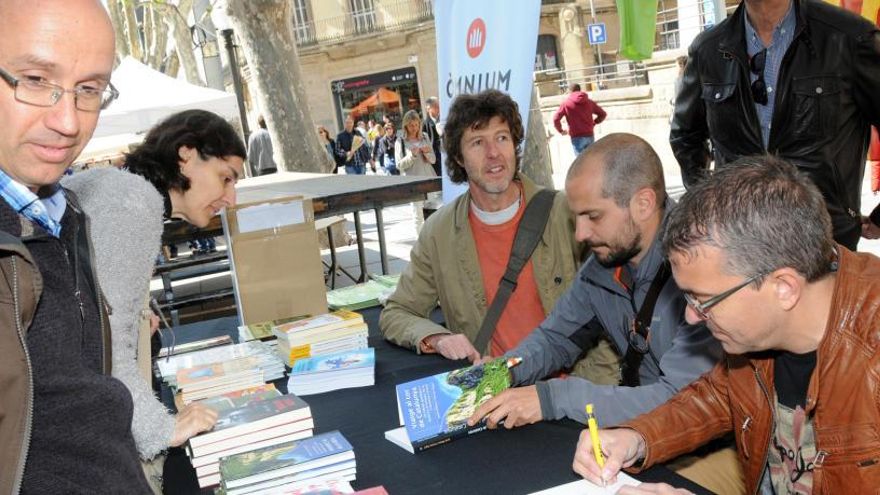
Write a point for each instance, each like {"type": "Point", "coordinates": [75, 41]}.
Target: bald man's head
{"type": "Point", "coordinates": [626, 164]}
{"type": "Point", "coordinates": [65, 43]}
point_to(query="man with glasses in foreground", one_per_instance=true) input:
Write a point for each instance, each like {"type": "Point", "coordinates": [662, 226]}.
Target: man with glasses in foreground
{"type": "Point", "coordinates": [616, 191]}
{"type": "Point", "coordinates": [751, 247]}
{"type": "Point", "coordinates": [794, 78]}
{"type": "Point", "coordinates": [65, 423]}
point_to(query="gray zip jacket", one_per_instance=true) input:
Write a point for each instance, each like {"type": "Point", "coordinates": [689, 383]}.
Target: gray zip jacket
{"type": "Point", "coordinates": [679, 352]}
{"type": "Point", "coordinates": [126, 227]}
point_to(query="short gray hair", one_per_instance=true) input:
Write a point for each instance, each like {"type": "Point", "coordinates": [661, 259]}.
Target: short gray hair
{"type": "Point", "coordinates": [432, 100]}
{"type": "Point", "coordinates": [630, 164]}
{"type": "Point", "coordinates": [762, 212]}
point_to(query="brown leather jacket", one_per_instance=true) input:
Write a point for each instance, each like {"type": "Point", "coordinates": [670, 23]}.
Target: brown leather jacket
{"type": "Point", "coordinates": [843, 396]}
{"type": "Point", "coordinates": [20, 289]}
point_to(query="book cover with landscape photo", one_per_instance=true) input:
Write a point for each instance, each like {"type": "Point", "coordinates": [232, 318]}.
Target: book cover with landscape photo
{"type": "Point", "coordinates": [435, 409]}
{"type": "Point", "coordinates": [285, 459]}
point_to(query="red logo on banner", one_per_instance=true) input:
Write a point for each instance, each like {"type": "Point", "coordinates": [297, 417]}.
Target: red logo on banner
{"type": "Point", "coordinates": [476, 38]}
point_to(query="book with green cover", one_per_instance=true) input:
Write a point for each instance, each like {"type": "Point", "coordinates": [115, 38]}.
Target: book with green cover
{"type": "Point", "coordinates": [356, 297]}
{"type": "Point", "coordinates": [387, 280]}
{"type": "Point", "coordinates": [282, 460]}
{"type": "Point", "coordinates": [434, 410]}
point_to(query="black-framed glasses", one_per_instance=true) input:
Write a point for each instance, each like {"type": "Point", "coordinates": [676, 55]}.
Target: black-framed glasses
{"type": "Point", "coordinates": [759, 86]}
{"type": "Point", "coordinates": [702, 308]}
{"type": "Point", "coordinates": [45, 94]}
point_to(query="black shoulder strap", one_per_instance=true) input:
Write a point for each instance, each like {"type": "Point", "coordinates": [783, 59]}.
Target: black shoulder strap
{"type": "Point", "coordinates": [528, 234]}
{"type": "Point", "coordinates": [640, 333]}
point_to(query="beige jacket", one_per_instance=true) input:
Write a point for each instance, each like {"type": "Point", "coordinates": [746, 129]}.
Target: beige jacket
{"type": "Point", "coordinates": [444, 267]}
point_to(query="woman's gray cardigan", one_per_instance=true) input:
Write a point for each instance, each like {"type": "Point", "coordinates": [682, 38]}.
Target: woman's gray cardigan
{"type": "Point", "coordinates": [125, 217]}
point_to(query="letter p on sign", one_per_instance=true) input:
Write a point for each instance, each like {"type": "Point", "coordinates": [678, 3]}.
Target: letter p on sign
{"type": "Point", "coordinates": [597, 34]}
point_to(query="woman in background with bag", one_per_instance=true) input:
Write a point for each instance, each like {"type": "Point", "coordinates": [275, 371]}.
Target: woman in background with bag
{"type": "Point", "coordinates": [415, 156]}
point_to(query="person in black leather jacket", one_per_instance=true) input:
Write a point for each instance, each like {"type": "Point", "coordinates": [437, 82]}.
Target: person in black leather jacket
{"type": "Point", "coordinates": [825, 97]}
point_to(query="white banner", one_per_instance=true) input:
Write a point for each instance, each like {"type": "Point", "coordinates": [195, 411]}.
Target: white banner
{"type": "Point", "coordinates": [485, 44]}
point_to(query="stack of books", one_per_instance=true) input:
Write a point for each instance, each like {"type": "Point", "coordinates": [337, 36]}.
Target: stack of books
{"type": "Point", "coordinates": [328, 456]}
{"type": "Point", "coordinates": [247, 419]}
{"type": "Point", "coordinates": [209, 380]}
{"type": "Point", "coordinates": [332, 372]}
{"type": "Point", "coordinates": [266, 360]}
{"type": "Point", "coordinates": [320, 335]}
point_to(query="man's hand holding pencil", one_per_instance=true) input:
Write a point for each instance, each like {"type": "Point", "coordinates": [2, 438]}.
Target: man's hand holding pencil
{"type": "Point", "coordinates": [620, 447]}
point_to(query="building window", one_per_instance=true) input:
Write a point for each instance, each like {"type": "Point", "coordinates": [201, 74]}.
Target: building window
{"type": "Point", "coordinates": [303, 28]}
{"type": "Point", "coordinates": [545, 56]}
{"type": "Point", "coordinates": [363, 15]}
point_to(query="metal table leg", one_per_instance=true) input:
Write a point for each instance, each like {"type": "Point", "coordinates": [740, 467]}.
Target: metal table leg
{"type": "Point", "coordinates": [383, 252]}
{"type": "Point", "coordinates": [362, 256]}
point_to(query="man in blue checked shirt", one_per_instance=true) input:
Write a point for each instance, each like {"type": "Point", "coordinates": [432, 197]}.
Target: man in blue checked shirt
{"type": "Point", "coordinates": [792, 78]}
{"type": "Point", "coordinates": [65, 423]}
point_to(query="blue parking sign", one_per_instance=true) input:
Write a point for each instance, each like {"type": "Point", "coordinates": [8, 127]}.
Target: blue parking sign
{"type": "Point", "coordinates": [597, 34]}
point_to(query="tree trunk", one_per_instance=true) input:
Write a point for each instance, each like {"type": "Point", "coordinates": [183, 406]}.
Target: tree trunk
{"type": "Point", "coordinates": [265, 30]}
{"type": "Point", "coordinates": [132, 38]}
{"type": "Point", "coordinates": [175, 17]}
{"type": "Point", "coordinates": [122, 49]}
{"type": "Point", "coordinates": [158, 39]}
{"type": "Point", "coordinates": [536, 155]}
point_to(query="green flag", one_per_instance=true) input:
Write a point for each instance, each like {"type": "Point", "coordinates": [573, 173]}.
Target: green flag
{"type": "Point", "coordinates": [638, 26]}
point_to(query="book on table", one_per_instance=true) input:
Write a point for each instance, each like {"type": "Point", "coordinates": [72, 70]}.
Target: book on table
{"type": "Point", "coordinates": [332, 372]}
{"type": "Point", "coordinates": [261, 417]}
{"type": "Point", "coordinates": [358, 296]}
{"type": "Point", "coordinates": [301, 331]}
{"type": "Point", "coordinates": [317, 457]}
{"type": "Point", "coordinates": [386, 280]}
{"type": "Point", "coordinates": [208, 380]}
{"type": "Point", "coordinates": [355, 338]}
{"type": "Point", "coordinates": [434, 410]}
{"type": "Point", "coordinates": [194, 346]}
{"type": "Point", "coordinates": [254, 416]}
{"type": "Point", "coordinates": [315, 487]}
{"type": "Point", "coordinates": [584, 487]}
{"type": "Point", "coordinates": [267, 358]}
{"type": "Point", "coordinates": [263, 330]}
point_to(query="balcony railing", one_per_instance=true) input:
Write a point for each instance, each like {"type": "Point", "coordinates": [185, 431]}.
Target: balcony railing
{"type": "Point", "coordinates": [387, 16]}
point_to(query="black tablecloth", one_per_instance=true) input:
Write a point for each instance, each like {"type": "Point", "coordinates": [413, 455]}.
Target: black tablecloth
{"type": "Point", "coordinates": [522, 460]}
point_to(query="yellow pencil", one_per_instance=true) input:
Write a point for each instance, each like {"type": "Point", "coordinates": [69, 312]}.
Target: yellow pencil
{"type": "Point", "coordinates": [594, 437]}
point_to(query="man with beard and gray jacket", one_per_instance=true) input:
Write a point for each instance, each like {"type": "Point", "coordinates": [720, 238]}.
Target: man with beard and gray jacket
{"type": "Point", "coordinates": [617, 193]}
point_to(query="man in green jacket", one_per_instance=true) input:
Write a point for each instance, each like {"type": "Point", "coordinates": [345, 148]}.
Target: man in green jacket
{"type": "Point", "coordinates": [463, 250]}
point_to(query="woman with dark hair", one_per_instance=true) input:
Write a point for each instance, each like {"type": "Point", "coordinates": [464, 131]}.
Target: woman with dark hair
{"type": "Point", "coordinates": [330, 146]}
{"type": "Point", "coordinates": [186, 168]}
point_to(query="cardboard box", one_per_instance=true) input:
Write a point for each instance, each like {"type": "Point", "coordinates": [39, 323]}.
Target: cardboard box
{"type": "Point", "coordinates": [275, 259]}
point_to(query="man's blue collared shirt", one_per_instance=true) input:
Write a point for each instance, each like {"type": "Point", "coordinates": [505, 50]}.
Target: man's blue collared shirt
{"type": "Point", "coordinates": [783, 35]}
{"type": "Point", "coordinates": [45, 212]}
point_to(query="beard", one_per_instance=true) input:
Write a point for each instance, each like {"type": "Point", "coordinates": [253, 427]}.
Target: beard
{"type": "Point", "coordinates": [620, 252]}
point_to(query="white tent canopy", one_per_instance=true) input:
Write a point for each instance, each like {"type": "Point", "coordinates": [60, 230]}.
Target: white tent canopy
{"type": "Point", "coordinates": [147, 96]}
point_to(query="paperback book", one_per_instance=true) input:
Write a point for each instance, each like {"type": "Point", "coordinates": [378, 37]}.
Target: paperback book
{"type": "Point", "coordinates": [434, 410]}
{"type": "Point", "coordinates": [309, 328]}
{"type": "Point", "coordinates": [359, 296]}
{"type": "Point", "coordinates": [194, 346]}
{"type": "Point", "coordinates": [266, 356]}
{"type": "Point", "coordinates": [332, 372]}
{"type": "Point", "coordinates": [328, 450]}
{"type": "Point", "coordinates": [263, 330]}
{"type": "Point", "coordinates": [253, 416]}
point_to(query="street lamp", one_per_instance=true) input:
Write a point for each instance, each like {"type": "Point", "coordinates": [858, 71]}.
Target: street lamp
{"type": "Point", "coordinates": [229, 43]}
